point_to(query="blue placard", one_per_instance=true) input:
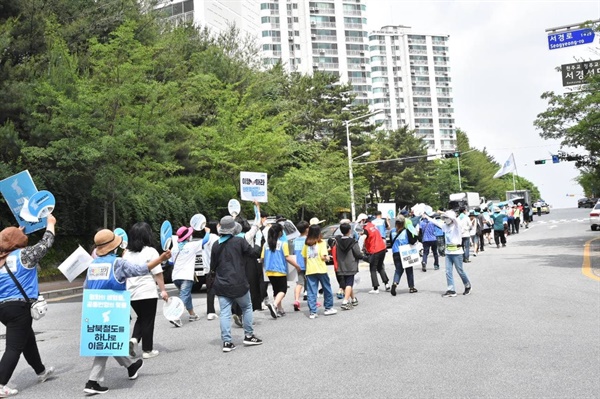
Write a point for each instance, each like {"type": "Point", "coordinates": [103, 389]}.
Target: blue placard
{"type": "Point", "coordinates": [166, 234]}
{"type": "Point", "coordinates": [105, 323]}
{"type": "Point", "coordinates": [123, 234]}
{"type": "Point", "coordinates": [16, 189]}
{"type": "Point", "coordinates": [570, 38]}
{"type": "Point", "coordinates": [41, 204]}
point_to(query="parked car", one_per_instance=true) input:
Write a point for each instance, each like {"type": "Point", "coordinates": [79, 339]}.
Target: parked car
{"type": "Point", "coordinates": [544, 207]}
{"type": "Point", "coordinates": [586, 202]}
{"type": "Point", "coordinates": [595, 217]}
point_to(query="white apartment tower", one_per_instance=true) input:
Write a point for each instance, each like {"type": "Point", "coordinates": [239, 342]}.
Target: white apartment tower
{"type": "Point", "coordinates": [410, 76]}
{"type": "Point", "coordinates": [216, 15]}
{"type": "Point", "coordinates": [325, 35]}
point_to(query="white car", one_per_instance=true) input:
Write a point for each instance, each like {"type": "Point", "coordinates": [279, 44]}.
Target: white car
{"type": "Point", "coordinates": [595, 217]}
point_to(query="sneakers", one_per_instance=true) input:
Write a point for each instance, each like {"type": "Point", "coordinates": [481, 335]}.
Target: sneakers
{"type": "Point", "coordinates": [228, 346]}
{"type": "Point", "coordinates": [133, 343]}
{"type": "Point", "coordinates": [340, 295]}
{"type": "Point", "coordinates": [436, 267]}
{"type": "Point", "coordinates": [237, 320]}
{"type": "Point", "coordinates": [387, 287]}
{"type": "Point", "coordinates": [374, 291]}
{"type": "Point", "coordinates": [150, 355]}
{"type": "Point", "coordinates": [449, 294]}
{"type": "Point", "coordinates": [212, 316]}
{"type": "Point", "coordinates": [5, 392]}
{"type": "Point", "coordinates": [423, 266]}
{"type": "Point", "coordinates": [394, 289]}
{"type": "Point", "coordinates": [134, 368]}
{"type": "Point", "coordinates": [355, 302]}
{"type": "Point", "coordinates": [194, 317]}
{"type": "Point", "coordinates": [305, 296]}
{"type": "Point", "coordinates": [330, 311]}
{"type": "Point", "coordinates": [312, 316]}
{"type": "Point", "coordinates": [47, 373]}
{"type": "Point", "coordinates": [252, 340]}
{"type": "Point", "coordinates": [296, 306]}
{"type": "Point", "coordinates": [93, 387]}
{"type": "Point", "coordinates": [272, 310]}
{"type": "Point", "coordinates": [413, 290]}
{"type": "Point", "coordinates": [467, 291]}
{"type": "Point", "coordinates": [176, 323]}
{"type": "Point", "coordinates": [280, 312]}
{"type": "Point", "coordinates": [346, 306]}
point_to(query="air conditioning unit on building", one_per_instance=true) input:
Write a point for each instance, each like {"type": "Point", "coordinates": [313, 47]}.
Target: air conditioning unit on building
{"type": "Point", "coordinates": [315, 65]}
{"type": "Point", "coordinates": [313, 23]}
{"type": "Point", "coordinates": [363, 66]}
{"type": "Point", "coordinates": [412, 62]}
{"type": "Point", "coordinates": [290, 39]}
{"type": "Point", "coordinates": [321, 51]}
{"type": "Point", "coordinates": [313, 37]}
{"type": "Point", "coordinates": [313, 9]}
{"type": "Point", "coordinates": [412, 72]}
{"type": "Point", "coordinates": [445, 73]}
{"type": "Point", "coordinates": [361, 53]}
{"type": "Point", "coordinates": [446, 84]}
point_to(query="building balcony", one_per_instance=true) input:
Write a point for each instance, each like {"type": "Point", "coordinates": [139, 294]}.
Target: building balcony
{"type": "Point", "coordinates": [350, 12]}
{"type": "Point", "coordinates": [355, 39]}
{"type": "Point", "coordinates": [353, 26]}
{"type": "Point", "coordinates": [440, 63]}
{"type": "Point", "coordinates": [417, 51]}
{"type": "Point", "coordinates": [417, 41]}
{"type": "Point", "coordinates": [324, 38]}
{"type": "Point", "coordinates": [326, 65]}
{"type": "Point", "coordinates": [317, 52]}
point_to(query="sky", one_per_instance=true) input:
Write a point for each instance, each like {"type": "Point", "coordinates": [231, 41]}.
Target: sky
{"type": "Point", "coordinates": [500, 65]}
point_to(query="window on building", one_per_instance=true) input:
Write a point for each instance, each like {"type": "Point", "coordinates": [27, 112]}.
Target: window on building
{"type": "Point", "coordinates": [269, 6]}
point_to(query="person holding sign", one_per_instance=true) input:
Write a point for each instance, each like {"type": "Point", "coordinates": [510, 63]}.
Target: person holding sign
{"type": "Point", "coordinates": [108, 272]}
{"type": "Point", "coordinates": [144, 299]}
{"type": "Point", "coordinates": [402, 237]}
{"type": "Point", "coordinates": [15, 311]}
{"type": "Point", "coordinates": [454, 251]}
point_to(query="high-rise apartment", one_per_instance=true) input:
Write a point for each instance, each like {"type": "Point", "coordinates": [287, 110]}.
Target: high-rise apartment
{"type": "Point", "coordinates": [216, 15]}
{"type": "Point", "coordinates": [329, 36]}
{"type": "Point", "coordinates": [410, 74]}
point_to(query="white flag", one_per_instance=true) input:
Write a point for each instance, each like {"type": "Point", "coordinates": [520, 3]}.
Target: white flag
{"type": "Point", "coordinates": [509, 166]}
{"type": "Point", "coordinates": [75, 264]}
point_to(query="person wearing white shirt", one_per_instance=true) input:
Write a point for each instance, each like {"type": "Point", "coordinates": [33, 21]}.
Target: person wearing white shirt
{"type": "Point", "coordinates": [209, 239]}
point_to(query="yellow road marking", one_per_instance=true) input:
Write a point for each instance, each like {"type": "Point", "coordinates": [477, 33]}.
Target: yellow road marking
{"type": "Point", "coordinates": [586, 267]}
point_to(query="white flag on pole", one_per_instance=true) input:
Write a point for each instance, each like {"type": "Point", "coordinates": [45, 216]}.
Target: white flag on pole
{"type": "Point", "coordinates": [509, 166]}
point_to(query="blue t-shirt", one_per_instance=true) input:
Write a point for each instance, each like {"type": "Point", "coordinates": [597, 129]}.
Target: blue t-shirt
{"type": "Point", "coordinates": [298, 245]}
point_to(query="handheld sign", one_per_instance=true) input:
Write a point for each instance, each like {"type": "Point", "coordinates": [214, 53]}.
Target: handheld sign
{"type": "Point", "coordinates": [173, 308]}
{"type": "Point", "coordinates": [166, 233]}
{"type": "Point", "coordinates": [40, 204]}
{"type": "Point", "coordinates": [198, 222]}
{"type": "Point", "coordinates": [121, 233]}
{"type": "Point", "coordinates": [234, 207]}
{"type": "Point", "coordinates": [16, 190]}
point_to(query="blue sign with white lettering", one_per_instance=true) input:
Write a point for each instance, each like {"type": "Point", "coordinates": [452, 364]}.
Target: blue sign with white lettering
{"type": "Point", "coordinates": [16, 189]}
{"type": "Point", "coordinates": [570, 38]}
{"type": "Point", "coordinates": [105, 323]}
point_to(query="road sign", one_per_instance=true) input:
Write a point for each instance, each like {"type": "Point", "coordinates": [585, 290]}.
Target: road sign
{"type": "Point", "coordinates": [576, 73]}
{"type": "Point", "coordinates": [555, 159]}
{"type": "Point", "coordinates": [570, 38]}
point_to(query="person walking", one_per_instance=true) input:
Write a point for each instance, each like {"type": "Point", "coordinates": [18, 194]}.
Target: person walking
{"type": "Point", "coordinates": [275, 256]}
{"type": "Point", "coordinates": [184, 264]}
{"type": "Point", "coordinates": [517, 215]}
{"type": "Point", "coordinates": [473, 231]}
{"type": "Point", "coordinates": [382, 224]}
{"type": "Point", "coordinates": [315, 254]}
{"type": "Point", "coordinates": [299, 242]}
{"type": "Point", "coordinates": [526, 214]}
{"type": "Point", "coordinates": [375, 246]}
{"type": "Point", "coordinates": [144, 298]}
{"type": "Point", "coordinates": [403, 237]}
{"type": "Point", "coordinates": [439, 235]}
{"type": "Point", "coordinates": [430, 242]}
{"type": "Point", "coordinates": [227, 267]}
{"type": "Point", "coordinates": [480, 229]}
{"type": "Point", "coordinates": [211, 236]}
{"type": "Point", "coordinates": [109, 272]}
{"type": "Point", "coordinates": [21, 261]}
{"type": "Point", "coordinates": [499, 224]}
{"type": "Point", "coordinates": [465, 226]}
{"type": "Point", "coordinates": [454, 252]}
{"type": "Point", "coordinates": [347, 253]}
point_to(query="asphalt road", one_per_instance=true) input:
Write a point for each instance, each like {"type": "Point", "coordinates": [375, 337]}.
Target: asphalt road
{"type": "Point", "coordinates": [529, 329]}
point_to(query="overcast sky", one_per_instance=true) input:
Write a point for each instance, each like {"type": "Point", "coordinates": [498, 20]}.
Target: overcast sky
{"type": "Point", "coordinates": [500, 65]}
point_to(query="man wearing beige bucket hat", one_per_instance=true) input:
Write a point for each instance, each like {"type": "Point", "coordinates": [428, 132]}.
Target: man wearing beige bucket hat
{"type": "Point", "coordinates": [109, 272]}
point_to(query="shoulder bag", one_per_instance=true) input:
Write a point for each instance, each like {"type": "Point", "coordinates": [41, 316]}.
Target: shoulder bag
{"type": "Point", "coordinates": [39, 307]}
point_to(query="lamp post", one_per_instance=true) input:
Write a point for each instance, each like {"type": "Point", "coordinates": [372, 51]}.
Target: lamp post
{"type": "Point", "coordinates": [349, 144]}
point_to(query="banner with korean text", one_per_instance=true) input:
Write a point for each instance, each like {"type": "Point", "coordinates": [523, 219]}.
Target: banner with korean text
{"type": "Point", "coordinates": [253, 186]}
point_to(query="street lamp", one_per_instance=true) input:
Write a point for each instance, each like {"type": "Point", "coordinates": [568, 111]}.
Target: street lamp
{"type": "Point", "coordinates": [366, 154]}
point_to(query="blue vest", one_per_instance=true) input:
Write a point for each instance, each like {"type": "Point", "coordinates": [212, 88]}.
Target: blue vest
{"type": "Point", "coordinates": [27, 278]}
{"type": "Point", "coordinates": [275, 261]}
{"type": "Point", "coordinates": [401, 240]}
{"type": "Point", "coordinates": [101, 274]}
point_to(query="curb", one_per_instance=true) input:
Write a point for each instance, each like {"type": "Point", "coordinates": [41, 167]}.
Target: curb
{"type": "Point", "coordinates": [62, 292]}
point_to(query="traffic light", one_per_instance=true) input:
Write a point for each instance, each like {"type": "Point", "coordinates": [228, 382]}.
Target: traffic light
{"type": "Point", "coordinates": [454, 154]}
{"type": "Point", "coordinates": [540, 162]}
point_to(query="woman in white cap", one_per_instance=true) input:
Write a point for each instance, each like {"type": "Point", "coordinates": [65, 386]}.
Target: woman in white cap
{"type": "Point", "coordinates": [184, 261]}
{"type": "Point", "coordinates": [454, 251]}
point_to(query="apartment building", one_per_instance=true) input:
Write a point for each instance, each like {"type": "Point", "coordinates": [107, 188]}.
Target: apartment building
{"type": "Point", "coordinates": [329, 36]}
{"type": "Point", "coordinates": [410, 75]}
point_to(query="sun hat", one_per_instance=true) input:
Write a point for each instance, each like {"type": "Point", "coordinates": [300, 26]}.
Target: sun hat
{"type": "Point", "coordinates": [360, 217]}
{"type": "Point", "coordinates": [226, 225]}
{"type": "Point", "coordinates": [315, 221]}
{"type": "Point", "coordinates": [184, 233]}
{"type": "Point", "coordinates": [238, 229]}
{"type": "Point", "coordinates": [106, 241]}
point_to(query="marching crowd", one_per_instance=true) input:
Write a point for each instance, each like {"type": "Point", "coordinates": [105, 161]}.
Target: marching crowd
{"type": "Point", "coordinates": [240, 255]}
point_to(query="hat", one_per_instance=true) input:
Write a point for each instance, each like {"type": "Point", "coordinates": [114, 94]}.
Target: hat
{"type": "Point", "coordinates": [184, 233]}
{"type": "Point", "coordinates": [11, 238]}
{"type": "Point", "coordinates": [315, 221]}
{"type": "Point", "coordinates": [238, 229]}
{"type": "Point", "coordinates": [106, 241]}
{"type": "Point", "coordinates": [471, 213]}
{"type": "Point", "coordinates": [360, 217]}
{"type": "Point", "coordinates": [496, 209]}
{"type": "Point", "coordinates": [226, 225]}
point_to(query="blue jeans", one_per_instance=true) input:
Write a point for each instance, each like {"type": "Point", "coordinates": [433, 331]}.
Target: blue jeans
{"type": "Point", "coordinates": [434, 251]}
{"type": "Point", "coordinates": [456, 261]}
{"type": "Point", "coordinates": [185, 292]}
{"type": "Point", "coordinates": [245, 303]}
{"type": "Point", "coordinates": [312, 287]}
{"type": "Point", "coordinates": [466, 243]}
{"type": "Point", "coordinates": [410, 275]}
